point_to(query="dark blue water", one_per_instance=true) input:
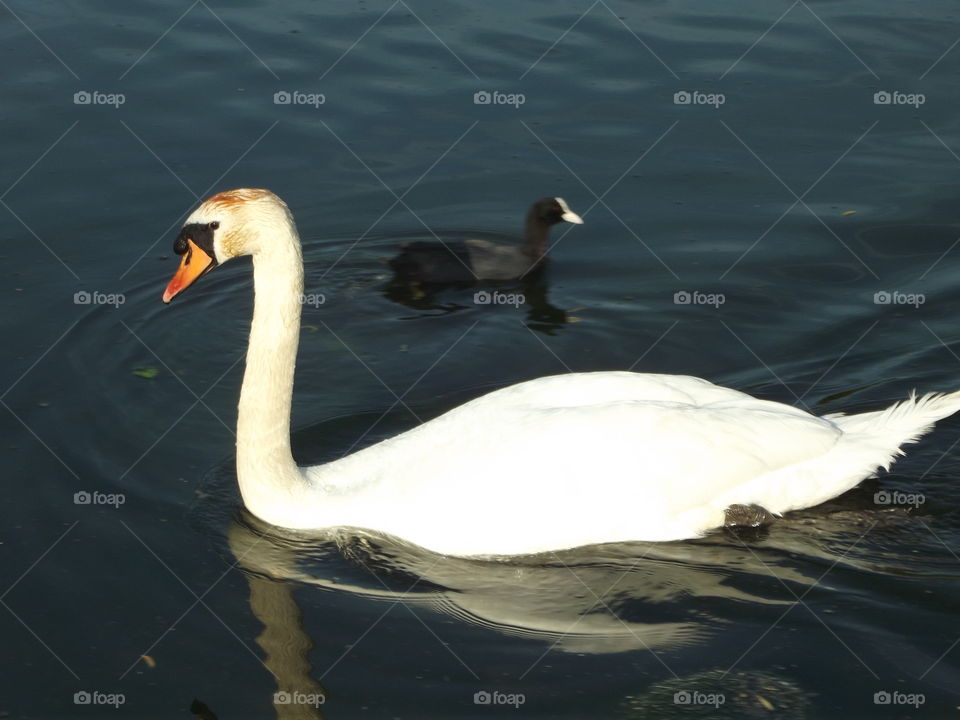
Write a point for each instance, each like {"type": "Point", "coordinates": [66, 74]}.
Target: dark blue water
{"type": "Point", "coordinates": [807, 176]}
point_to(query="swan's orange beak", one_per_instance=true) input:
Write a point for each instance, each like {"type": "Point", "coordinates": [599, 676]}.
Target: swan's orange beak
{"type": "Point", "coordinates": [194, 264]}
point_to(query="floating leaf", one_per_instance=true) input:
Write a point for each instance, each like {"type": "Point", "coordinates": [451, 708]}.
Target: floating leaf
{"type": "Point", "coordinates": [766, 703]}
{"type": "Point", "coordinates": [848, 212]}
{"type": "Point", "coordinates": [148, 373]}
{"type": "Point", "coordinates": [151, 663]}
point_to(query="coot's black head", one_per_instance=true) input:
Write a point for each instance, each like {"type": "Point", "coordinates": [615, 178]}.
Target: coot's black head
{"type": "Point", "coordinates": [553, 210]}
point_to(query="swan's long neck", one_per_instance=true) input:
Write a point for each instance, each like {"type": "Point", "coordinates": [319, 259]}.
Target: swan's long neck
{"type": "Point", "coordinates": [266, 470]}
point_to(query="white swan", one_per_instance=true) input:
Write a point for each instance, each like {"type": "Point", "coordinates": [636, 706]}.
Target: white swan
{"type": "Point", "coordinates": [543, 465]}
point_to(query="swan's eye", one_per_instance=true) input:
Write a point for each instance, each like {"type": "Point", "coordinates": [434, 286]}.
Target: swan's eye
{"type": "Point", "coordinates": [200, 234]}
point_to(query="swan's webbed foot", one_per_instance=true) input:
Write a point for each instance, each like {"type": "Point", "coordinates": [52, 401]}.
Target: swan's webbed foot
{"type": "Point", "coordinates": [747, 516]}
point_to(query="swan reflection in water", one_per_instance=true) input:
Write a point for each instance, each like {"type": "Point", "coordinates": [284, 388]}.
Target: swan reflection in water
{"type": "Point", "coordinates": [654, 597]}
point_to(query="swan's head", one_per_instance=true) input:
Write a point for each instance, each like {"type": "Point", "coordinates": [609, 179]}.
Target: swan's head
{"type": "Point", "coordinates": [227, 225]}
{"type": "Point", "coordinates": [553, 210]}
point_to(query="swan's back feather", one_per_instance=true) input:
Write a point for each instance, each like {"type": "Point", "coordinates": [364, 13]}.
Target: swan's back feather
{"type": "Point", "coordinates": [571, 460]}
{"type": "Point", "coordinates": [588, 458]}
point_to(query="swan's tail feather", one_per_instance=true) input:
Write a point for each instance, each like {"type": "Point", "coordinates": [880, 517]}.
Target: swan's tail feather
{"type": "Point", "coordinates": [867, 441]}
{"type": "Point", "coordinates": [904, 422]}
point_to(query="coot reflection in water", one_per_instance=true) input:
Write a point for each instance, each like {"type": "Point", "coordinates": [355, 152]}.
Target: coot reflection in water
{"type": "Point", "coordinates": [529, 296]}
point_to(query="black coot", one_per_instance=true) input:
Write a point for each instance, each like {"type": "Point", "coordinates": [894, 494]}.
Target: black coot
{"type": "Point", "coordinates": [471, 260]}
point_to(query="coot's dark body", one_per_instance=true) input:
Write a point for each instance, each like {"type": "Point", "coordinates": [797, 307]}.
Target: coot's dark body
{"type": "Point", "coordinates": [467, 261]}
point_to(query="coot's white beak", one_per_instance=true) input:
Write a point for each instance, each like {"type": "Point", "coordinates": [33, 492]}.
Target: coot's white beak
{"type": "Point", "coordinates": [569, 215]}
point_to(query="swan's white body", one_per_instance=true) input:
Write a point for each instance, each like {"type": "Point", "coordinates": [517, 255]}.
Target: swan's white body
{"type": "Point", "coordinates": [552, 463]}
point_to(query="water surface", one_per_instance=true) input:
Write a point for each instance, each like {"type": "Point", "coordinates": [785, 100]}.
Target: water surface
{"type": "Point", "coordinates": [798, 199]}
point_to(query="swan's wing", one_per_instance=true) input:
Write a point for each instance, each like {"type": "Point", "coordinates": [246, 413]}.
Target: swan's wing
{"type": "Point", "coordinates": [598, 388]}
{"type": "Point", "coordinates": [577, 459]}
{"type": "Point", "coordinates": [651, 453]}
